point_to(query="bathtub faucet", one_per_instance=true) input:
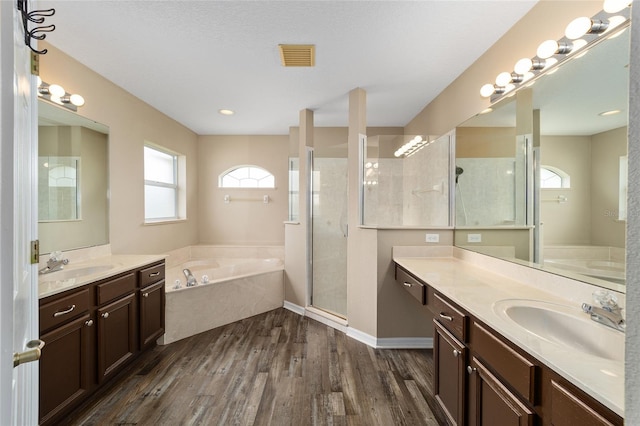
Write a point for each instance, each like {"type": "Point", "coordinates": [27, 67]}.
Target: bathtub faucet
{"type": "Point", "coordinates": [191, 280]}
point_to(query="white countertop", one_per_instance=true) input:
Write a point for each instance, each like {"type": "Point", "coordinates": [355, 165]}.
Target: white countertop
{"type": "Point", "coordinates": [97, 269]}
{"type": "Point", "coordinates": [476, 290]}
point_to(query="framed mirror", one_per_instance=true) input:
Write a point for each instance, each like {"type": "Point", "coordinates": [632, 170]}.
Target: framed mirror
{"type": "Point", "coordinates": [73, 180]}
{"type": "Point", "coordinates": [577, 202]}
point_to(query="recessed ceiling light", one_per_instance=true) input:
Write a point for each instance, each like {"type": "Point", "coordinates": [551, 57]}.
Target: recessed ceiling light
{"type": "Point", "coordinates": [226, 111]}
{"type": "Point", "coordinates": [612, 112]}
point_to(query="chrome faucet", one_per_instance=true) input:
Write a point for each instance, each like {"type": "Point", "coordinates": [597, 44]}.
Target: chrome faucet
{"type": "Point", "coordinates": [610, 314]}
{"type": "Point", "coordinates": [191, 280]}
{"type": "Point", "coordinates": [55, 263]}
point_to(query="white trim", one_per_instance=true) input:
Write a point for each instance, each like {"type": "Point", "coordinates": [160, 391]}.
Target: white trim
{"type": "Point", "coordinates": [405, 343]}
{"type": "Point", "coordinates": [369, 340]}
{"type": "Point", "coordinates": [293, 307]}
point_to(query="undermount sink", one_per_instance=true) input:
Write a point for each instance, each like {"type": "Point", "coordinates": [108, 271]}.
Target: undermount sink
{"type": "Point", "coordinates": [563, 325]}
{"type": "Point", "coordinates": [70, 273]}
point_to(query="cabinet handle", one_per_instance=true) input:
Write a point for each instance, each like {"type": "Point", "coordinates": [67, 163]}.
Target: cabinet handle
{"type": "Point", "coordinates": [456, 353]}
{"type": "Point", "coordinates": [105, 315]}
{"type": "Point", "coordinates": [154, 274]}
{"type": "Point", "coordinates": [406, 284]}
{"type": "Point", "coordinates": [88, 323]}
{"type": "Point", "coordinates": [145, 294]}
{"type": "Point", "coordinates": [471, 369]}
{"type": "Point", "coordinates": [61, 313]}
{"type": "Point", "coordinates": [447, 317]}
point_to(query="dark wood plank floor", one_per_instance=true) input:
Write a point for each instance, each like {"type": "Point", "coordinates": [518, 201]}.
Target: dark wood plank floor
{"type": "Point", "coordinates": [276, 368]}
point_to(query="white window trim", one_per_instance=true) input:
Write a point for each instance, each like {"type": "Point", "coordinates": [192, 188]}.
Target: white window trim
{"type": "Point", "coordinates": [179, 178]}
{"type": "Point", "coordinates": [565, 179]}
{"type": "Point", "coordinates": [239, 166]}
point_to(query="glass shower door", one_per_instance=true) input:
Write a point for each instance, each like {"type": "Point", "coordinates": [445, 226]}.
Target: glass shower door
{"type": "Point", "coordinates": [329, 233]}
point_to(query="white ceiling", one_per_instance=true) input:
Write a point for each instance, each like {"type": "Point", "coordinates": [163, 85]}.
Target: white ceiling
{"type": "Point", "coordinates": [189, 59]}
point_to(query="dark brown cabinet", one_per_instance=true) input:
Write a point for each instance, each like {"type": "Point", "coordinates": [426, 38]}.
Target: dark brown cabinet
{"type": "Point", "coordinates": [65, 366]}
{"type": "Point", "coordinates": [481, 378]}
{"type": "Point", "coordinates": [450, 374]}
{"type": "Point", "coordinates": [117, 324]}
{"type": "Point", "coordinates": [492, 403]}
{"type": "Point", "coordinates": [92, 332]}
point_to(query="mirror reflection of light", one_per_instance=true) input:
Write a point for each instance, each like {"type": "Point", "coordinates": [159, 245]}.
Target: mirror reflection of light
{"type": "Point", "coordinates": [609, 373]}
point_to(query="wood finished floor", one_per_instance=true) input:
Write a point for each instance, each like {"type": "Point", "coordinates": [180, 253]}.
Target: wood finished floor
{"type": "Point", "coordinates": [276, 368]}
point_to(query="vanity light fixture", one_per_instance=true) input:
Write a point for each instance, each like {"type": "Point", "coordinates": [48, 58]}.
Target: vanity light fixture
{"type": "Point", "coordinates": [411, 147]}
{"type": "Point", "coordinates": [583, 25]}
{"type": "Point", "coordinates": [580, 33]}
{"type": "Point", "coordinates": [56, 94]}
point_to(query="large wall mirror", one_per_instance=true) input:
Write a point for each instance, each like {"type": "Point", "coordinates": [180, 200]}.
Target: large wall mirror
{"type": "Point", "coordinates": [575, 185]}
{"type": "Point", "coordinates": [73, 181]}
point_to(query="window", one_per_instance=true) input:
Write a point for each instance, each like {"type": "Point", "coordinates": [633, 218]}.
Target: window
{"type": "Point", "coordinates": [161, 185]}
{"type": "Point", "coordinates": [553, 178]}
{"type": "Point", "coordinates": [246, 177]}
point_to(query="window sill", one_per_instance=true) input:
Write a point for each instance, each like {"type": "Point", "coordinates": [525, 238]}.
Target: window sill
{"type": "Point", "coordinates": [163, 222]}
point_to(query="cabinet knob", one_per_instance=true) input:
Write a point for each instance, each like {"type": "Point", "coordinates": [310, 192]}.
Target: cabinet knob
{"type": "Point", "coordinates": [456, 353]}
{"type": "Point", "coordinates": [471, 369]}
{"type": "Point", "coordinates": [105, 315]}
{"type": "Point", "coordinates": [88, 323]}
{"type": "Point", "coordinates": [145, 294]}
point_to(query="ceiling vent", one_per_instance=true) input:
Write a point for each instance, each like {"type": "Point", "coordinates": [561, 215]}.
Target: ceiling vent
{"type": "Point", "coordinates": [297, 55]}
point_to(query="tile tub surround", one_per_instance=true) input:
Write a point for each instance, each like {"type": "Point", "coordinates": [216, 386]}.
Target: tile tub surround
{"type": "Point", "coordinates": [476, 282]}
{"type": "Point", "coordinates": [189, 311]}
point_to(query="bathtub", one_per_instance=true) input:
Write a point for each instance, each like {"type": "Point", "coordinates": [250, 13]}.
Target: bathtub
{"type": "Point", "coordinates": [242, 282]}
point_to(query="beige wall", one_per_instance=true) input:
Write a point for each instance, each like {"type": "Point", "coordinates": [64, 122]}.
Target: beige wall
{"type": "Point", "coordinates": [131, 122]}
{"type": "Point", "coordinates": [606, 150]}
{"type": "Point", "coordinates": [246, 220]}
{"type": "Point", "coordinates": [485, 142]}
{"type": "Point", "coordinates": [568, 222]}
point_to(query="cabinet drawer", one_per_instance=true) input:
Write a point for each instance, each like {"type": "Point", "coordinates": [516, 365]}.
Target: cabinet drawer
{"type": "Point", "coordinates": [64, 309]}
{"type": "Point", "coordinates": [515, 369]}
{"type": "Point", "coordinates": [451, 317]}
{"type": "Point", "coordinates": [568, 409]}
{"type": "Point", "coordinates": [412, 285]}
{"type": "Point", "coordinates": [115, 288]}
{"type": "Point", "coordinates": [151, 275]}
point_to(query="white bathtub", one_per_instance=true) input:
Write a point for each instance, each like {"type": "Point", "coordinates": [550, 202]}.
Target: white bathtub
{"type": "Point", "coordinates": [243, 281]}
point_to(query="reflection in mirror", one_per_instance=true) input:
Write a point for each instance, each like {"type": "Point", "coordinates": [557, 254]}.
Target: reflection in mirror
{"type": "Point", "coordinates": [73, 208]}
{"type": "Point", "coordinates": [406, 187]}
{"type": "Point", "coordinates": [580, 149]}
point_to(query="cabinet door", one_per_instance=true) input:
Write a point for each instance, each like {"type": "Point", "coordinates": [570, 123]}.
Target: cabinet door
{"type": "Point", "coordinates": [491, 403]}
{"type": "Point", "coordinates": [66, 368]}
{"type": "Point", "coordinates": [567, 409]}
{"type": "Point", "coordinates": [151, 313]}
{"type": "Point", "coordinates": [450, 378]}
{"type": "Point", "coordinates": [117, 331]}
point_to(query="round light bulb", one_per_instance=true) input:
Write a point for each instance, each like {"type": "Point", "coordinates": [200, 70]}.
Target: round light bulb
{"type": "Point", "coordinates": [503, 79]}
{"type": "Point", "coordinates": [76, 100]}
{"type": "Point", "coordinates": [614, 22]}
{"type": "Point", "coordinates": [615, 6]}
{"type": "Point", "coordinates": [550, 62]}
{"type": "Point", "coordinates": [487, 90]}
{"type": "Point", "coordinates": [547, 49]}
{"type": "Point", "coordinates": [578, 44]}
{"type": "Point", "coordinates": [56, 99]}
{"type": "Point", "coordinates": [523, 66]}
{"type": "Point", "coordinates": [56, 90]}
{"type": "Point", "coordinates": [578, 27]}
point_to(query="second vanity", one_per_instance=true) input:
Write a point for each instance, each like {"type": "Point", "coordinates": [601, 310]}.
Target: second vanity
{"type": "Point", "coordinates": [511, 353]}
{"type": "Point", "coordinates": [96, 316]}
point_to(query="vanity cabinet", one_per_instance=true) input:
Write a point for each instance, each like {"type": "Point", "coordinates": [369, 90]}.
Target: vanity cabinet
{"type": "Point", "coordinates": [481, 378]}
{"type": "Point", "coordinates": [91, 333]}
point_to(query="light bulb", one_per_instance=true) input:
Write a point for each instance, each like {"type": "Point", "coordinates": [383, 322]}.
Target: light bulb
{"type": "Point", "coordinates": [578, 27]}
{"type": "Point", "coordinates": [615, 22]}
{"type": "Point", "coordinates": [487, 90]}
{"type": "Point", "coordinates": [547, 49]}
{"type": "Point", "coordinates": [503, 79]}
{"type": "Point", "coordinates": [550, 62]}
{"type": "Point", "coordinates": [56, 90]}
{"type": "Point", "coordinates": [615, 6]}
{"type": "Point", "coordinates": [76, 100]}
{"type": "Point", "coordinates": [523, 66]}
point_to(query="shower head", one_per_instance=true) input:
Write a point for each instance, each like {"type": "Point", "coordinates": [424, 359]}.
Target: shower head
{"type": "Point", "coordinates": [459, 171]}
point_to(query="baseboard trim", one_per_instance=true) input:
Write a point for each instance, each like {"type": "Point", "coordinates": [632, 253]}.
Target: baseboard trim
{"type": "Point", "coordinates": [369, 340]}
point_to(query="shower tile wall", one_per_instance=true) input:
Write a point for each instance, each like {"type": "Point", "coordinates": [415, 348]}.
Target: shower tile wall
{"type": "Point", "coordinates": [485, 193]}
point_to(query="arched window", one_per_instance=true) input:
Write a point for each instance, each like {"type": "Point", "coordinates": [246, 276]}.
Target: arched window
{"type": "Point", "coordinates": [553, 178]}
{"type": "Point", "coordinates": [246, 177]}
